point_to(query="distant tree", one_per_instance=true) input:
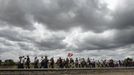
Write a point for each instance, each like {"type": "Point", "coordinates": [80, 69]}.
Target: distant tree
{"type": "Point", "coordinates": [9, 62]}
{"type": "Point", "coordinates": [0, 62]}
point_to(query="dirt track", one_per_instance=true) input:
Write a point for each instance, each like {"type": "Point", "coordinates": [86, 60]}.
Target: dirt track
{"type": "Point", "coordinates": [99, 71]}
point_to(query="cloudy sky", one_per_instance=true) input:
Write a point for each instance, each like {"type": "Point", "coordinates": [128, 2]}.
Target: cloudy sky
{"type": "Point", "coordinates": [88, 28]}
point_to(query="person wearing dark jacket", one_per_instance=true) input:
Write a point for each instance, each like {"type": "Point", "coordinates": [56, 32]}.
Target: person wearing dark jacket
{"type": "Point", "coordinates": [27, 62]}
{"type": "Point", "coordinates": [42, 62]}
{"type": "Point", "coordinates": [59, 63]}
{"type": "Point", "coordinates": [20, 63]}
{"type": "Point", "coordinates": [36, 62]}
{"type": "Point", "coordinates": [76, 63]}
{"type": "Point", "coordinates": [46, 62]}
{"type": "Point", "coordinates": [52, 63]}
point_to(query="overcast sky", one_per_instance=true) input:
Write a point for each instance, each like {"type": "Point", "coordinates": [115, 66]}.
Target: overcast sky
{"type": "Point", "coordinates": [88, 28]}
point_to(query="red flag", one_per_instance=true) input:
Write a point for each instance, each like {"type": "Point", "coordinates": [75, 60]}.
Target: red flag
{"type": "Point", "coordinates": [70, 54]}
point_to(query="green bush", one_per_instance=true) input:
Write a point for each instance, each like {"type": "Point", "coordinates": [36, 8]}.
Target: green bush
{"type": "Point", "coordinates": [9, 62]}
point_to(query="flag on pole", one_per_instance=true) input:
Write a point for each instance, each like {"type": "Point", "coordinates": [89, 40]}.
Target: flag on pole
{"type": "Point", "coordinates": [70, 54]}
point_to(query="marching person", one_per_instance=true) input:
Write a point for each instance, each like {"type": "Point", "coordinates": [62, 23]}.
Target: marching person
{"type": "Point", "coordinates": [46, 62]}
{"type": "Point", "coordinates": [76, 63]}
{"type": "Point", "coordinates": [42, 62]}
{"type": "Point", "coordinates": [36, 62]}
{"type": "Point", "coordinates": [67, 63]}
{"type": "Point", "coordinates": [71, 63]}
{"type": "Point", "coordinates": [52, 63]}
{"type": "Point", "coordinates": [28, 62]}
{"type": "Point", "coordinates": [20, 63]}
{"type": "Point", "coordinates": [59, 62]}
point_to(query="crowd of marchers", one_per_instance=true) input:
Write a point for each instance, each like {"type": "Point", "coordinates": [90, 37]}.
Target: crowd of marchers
{"type": "Point", "coordinates": [44, 62]}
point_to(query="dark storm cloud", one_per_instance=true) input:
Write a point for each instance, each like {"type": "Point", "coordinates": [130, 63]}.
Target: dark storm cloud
{"type": "Point", "coordinates": [51, 44]}
{"type": "Point", "coordinates": [57, 14]}
{"type": "Point", "coordinates": [12, 13]}
{"type": "Point", "coordinates": [125, 37]}
{"type": "Point", "coordinates": [11, 35]}
{"type": "Point", "coordinates": [65, 14]}
{"type": "Point", "coordinates": [26, 42]}
{"type": "Point", "coordinates": [123, 16]}
{"type": "Point", "coordinates": [100, 27]}
{"type": "Point", "coordinates": [116, 39]}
